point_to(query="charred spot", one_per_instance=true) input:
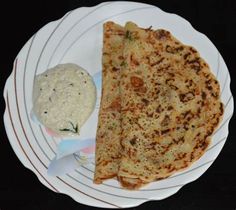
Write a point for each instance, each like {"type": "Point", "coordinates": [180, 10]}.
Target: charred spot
{"type": "Point", "coordinates": [206, 75]}
{"type": "Point", "coordinates": [161, 178]}
{"type": "Point", "coordinates": [209, 87]}
{"type": "Point", "coordinates": [169, 108]}
{"type": "Point", "coordinates": [169, 49]}
{"type": "Point", "coordinates": [208, 84]}
{"type": "Point", "coordinates": [179, 140]}
{"type": "Point", "coordinates": [168, 166]}
{"type": "Point", "coordinates": [169, 82]}
{"type": "Point", "coordinates": [217, 121]}
{"type": "Point", "coordinates": [157, 132]}
{"type": "Point", "coordinates": [165, 131]}
{"type": "Point", "coordinates": [121, 57]}
{"type": "Point", "coordinates": [185, 97]}
{"type": "Point", "coordinates": [199, 101]}
{"type": "Point", "coordinates": [195, 64]}
{"type": "Point", "coordinates": [173, 50]}
{"type": "Point", "coordinates": [162, 34]}
{"type": "Point", "coordinates": [192, 50]}
{"type": "Point", "coordinates": [159, 109]}
{"type": "Point", "coordinates": [171, 74]}
{"type": "Point", "coordinates": [191, 116]}
{"type": "Point", "coordinates": [192, 156]}
{"type": "Point", "coordinates": [107, 35]}
{"type": "Point", "coordinates": [186, 126]}
{"type": "Point", "coordinates": [157, 62]}
{"type": "Point", "coordinates": [209, 132]}
{"type": "Point", "coordinates": [185, 114]}
{"type": "Point", "coordinates": [221, 108]}
{"type": "Point", "coordinates": [98, 159]}
{"type": "Point", "coordinates": [203, 145]}
{"type": "Point", "coordinates": [165, 121]}
{"type": "Point", "coordinates": [147, 169]}
{"type": "Point", "coordinates": [153, 144]}
{"type": "Point", "coordinates": [190, 83]}
{"type": "Point", "coordinates": [150, 114]}
{"type": "Point", "coordinates": [115, 69]}
{"type": "Point", "coordinates": [203, 95]}
{"type": "Point", "coordinates": [180, 156]}
{"type": "Point", "coordinates": [215, 95]}
{"type": "Point", "coordinates": [186, 55]}
{"type": "Point", "coordinates": [133, 141]}
{"type": "Point", "coordinates": [204, 64]}
{"type": "Point", "coordinates": [178, 118]}
{"type": "Point", "coordinates": [145, 101]}
{"type": "Point", "coordinates": [165, 68]}
{"type": "Point", "coordinates": [173, 87]}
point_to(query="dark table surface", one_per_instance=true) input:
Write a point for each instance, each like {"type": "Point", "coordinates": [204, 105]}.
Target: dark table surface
{"type": "Point", "coordinates": [216, 189]}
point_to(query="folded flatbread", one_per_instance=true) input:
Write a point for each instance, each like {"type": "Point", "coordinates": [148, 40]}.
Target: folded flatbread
{"type": "Point", "coordinates": [109, 129]}
{"type": "Point", "coordinates": [168, 103]}
{"type": "Point", "coordinates": [169, 106]}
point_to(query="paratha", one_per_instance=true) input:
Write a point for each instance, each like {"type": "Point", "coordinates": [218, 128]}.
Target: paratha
{"type": "Point", "coordinates": [160, 105]}
{"type": "Point", "coordinates": [108, 132]}
{"type": "Point", "coordinates": [170, 106]}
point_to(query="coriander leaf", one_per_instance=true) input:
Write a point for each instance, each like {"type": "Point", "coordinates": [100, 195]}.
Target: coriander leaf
{"type": "Point", "coordinates": [65, 129]}
{"type": "Point", "coordinates": [123, 63]}
{"type": "Point", "coordinates": [128, 35]}
{"type": "Point", "coordinates": [74, 128]}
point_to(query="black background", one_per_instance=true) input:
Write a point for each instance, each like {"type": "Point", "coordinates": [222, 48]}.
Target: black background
{"type": "Point", "coordinates": [20, 188]}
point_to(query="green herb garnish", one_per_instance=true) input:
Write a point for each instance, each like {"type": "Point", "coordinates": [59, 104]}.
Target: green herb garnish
{"type": "Point", "coordinates": [73, 129]}
{"type": "Point", "coordinates": [128, 35]}
{"type": "Point", "coordinates": [123, 63]}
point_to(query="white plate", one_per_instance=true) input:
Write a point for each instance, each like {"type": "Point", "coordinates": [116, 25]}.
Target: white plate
{"type": "Point", "coordinates": [77, 38]}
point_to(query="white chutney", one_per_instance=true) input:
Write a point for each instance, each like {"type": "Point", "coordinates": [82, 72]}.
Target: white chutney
{"type": "Point", "coordinates": [63, 98]}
